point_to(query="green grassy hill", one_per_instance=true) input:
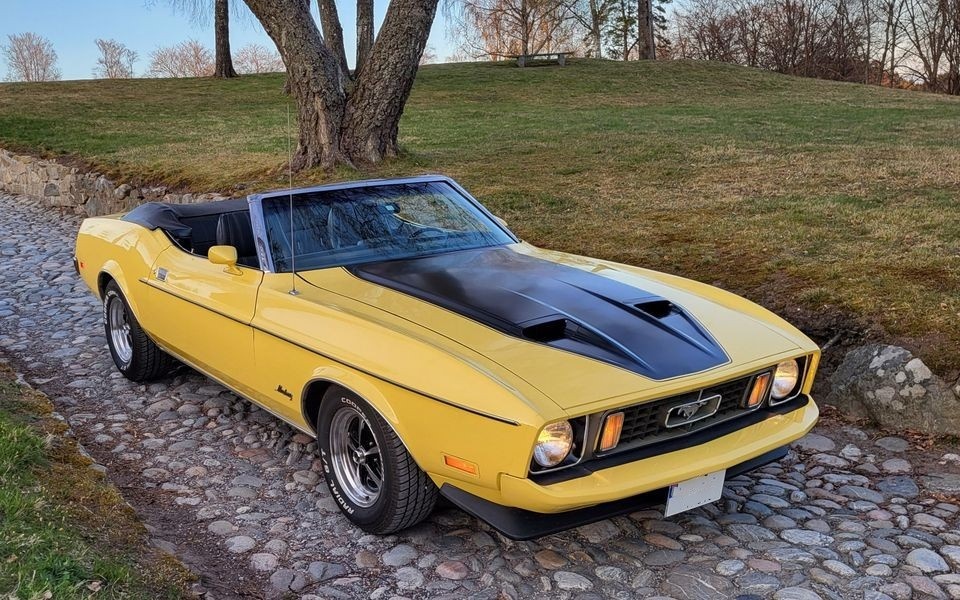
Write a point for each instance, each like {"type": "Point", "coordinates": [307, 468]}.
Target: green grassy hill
{"type": "Point", "coordinates": [798, 193]}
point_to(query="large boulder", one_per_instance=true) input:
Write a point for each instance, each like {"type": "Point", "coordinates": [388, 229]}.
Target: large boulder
{"type": "Point", "coordinates": [890, 386]}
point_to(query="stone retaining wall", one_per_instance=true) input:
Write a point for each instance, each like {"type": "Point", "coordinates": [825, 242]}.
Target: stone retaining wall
{"type": "Point", "coordinates": [75, 191]}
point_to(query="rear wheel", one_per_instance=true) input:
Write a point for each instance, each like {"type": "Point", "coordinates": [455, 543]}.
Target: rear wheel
{"type": "Point", "coordinates": [371, 475]}
{"type": "Point", "coordinates": [134, 353]}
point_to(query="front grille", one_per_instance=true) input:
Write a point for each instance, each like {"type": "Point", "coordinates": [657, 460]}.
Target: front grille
{"type": "Point", "coordinates": [644, 424]}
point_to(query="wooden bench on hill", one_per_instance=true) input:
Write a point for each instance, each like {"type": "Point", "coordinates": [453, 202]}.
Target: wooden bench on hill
{"type": "Point", "coordinates": [523, 59]}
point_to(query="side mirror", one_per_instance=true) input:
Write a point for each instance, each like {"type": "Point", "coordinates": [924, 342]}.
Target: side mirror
{"type": "Point", "coordinates": [224, 255]}
{"type": "Point", "coordinates": [501, 221]}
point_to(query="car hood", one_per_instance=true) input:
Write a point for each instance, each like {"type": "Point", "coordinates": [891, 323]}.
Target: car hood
{"type": "Point", "coordinates": [576, 329]}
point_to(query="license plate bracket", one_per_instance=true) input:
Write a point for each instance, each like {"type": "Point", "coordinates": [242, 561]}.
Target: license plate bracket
{"type": "Point", "coordinates": [690, 494]}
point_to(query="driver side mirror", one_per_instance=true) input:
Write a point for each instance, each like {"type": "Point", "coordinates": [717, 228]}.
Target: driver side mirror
{"type": "Point", "coordinates": [224, 255]}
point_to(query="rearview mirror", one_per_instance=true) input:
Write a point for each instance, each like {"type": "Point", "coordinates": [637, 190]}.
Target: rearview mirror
{"type": "Point", "coordinates": [224, 255]}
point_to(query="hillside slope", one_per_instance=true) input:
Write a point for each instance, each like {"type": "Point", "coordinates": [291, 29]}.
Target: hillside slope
{"type": "Point", "coordinates": [813, 197]}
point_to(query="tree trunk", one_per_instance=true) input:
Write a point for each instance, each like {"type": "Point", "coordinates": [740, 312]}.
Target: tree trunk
{"type": "Point", "coordinates": [646, 44]}
{"type": "Point", "coordinates": [333, 35]}
{"type": "Point", "coordinates": [221, 26]}
{"type": "Point", "coordinates": [336, 127]}
{"type": "Point", "coordinates": [313, 77]}
{"type": "Point", "coordinates": [364, 31]}
{"type": "Point", "coordinates": [376, 103]}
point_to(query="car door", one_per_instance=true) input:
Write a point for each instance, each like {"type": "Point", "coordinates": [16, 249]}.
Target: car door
{"type": "Point", "coordinates": [202, 313]}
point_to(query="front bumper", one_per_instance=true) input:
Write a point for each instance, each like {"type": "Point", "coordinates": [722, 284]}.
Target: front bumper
{"type": "Point", "coordinates": [629, 483]}
{"type": "Point", "coordinates": [519, 524]}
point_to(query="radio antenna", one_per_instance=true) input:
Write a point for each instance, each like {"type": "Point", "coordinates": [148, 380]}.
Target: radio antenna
{"type": "Point", "coordinates": [293, 242]}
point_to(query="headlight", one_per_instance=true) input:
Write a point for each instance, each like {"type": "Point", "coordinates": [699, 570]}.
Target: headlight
{"type": "Point", "coordinates": [785, 379]}
{"type": "Point", "coordinates": [553, 444]}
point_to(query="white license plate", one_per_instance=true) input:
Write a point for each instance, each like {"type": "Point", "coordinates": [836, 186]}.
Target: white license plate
{"type": "Point", "coordinates": [694, 492]}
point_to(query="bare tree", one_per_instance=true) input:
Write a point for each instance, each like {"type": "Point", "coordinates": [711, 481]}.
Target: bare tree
{"type": "Point", "coordinates": [593, 17]}
{"type": "Point", "coordinates": [353, 124]}
{"type": "Point", "coordinates": [891, 13]}
{"type": "Point", "coordinates": [200, 11]}
{"type": "Point", "coordinates": [115, 60]}
{"type": "Point", "coordinates": [30, 57]}
{"type": "Point", "coordinates": [928, 31]}
{"type": "Point", "coordinates": [186, 59]}
{"type": "Point", "coordinates": [501, 28]}
{"type": "Point", "coordinates": [254, 58]}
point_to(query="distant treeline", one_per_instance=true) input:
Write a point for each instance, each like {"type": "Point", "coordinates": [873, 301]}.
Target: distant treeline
{"type": "Point", "coordinates": [897, 43]}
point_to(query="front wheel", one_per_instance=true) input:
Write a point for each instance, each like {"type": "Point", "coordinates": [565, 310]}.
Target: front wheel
{"type": "Point", "coordinates": [134, 353]}
{"type": "Point", "coordinates": [371, 475]}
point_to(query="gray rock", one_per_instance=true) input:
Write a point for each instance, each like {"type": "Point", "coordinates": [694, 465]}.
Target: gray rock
{"type": "Point", "coordinates": [927, 561]}
{"type": "Point", "coordinates": [952, 554]}
{"type": "Point", "coordinates": [322, 571]}
{"type": "Point", "coordinates": [263, 562]}
{"type": "Point", "coordinates": [761, 584]}
{"type": "Point", "coordinates": [728, 568]}
{"type": "Point", "coordinates": [893, 388]}
{"type": "Point", "coordinates": [893, 444]}
{"type": "Point", "coordinates": [400, 555]}
{"type": "Point", "coordinates": [287, 580]}
{"type": "Point", "coordinates": [240, 544]}
{"type": "Point", "coordinates": [689, 582]}
{"type": "Point", "coordinates": [796, 593]}
{"type": "Point", "coordinates": [944, 483]}
{"type": "Point", "coordinates": [568, 580]}
{"type": "Point", "coordinates": [898, 485]}
{"type": "Point", "coordinates": [860, 493]}
{"type": "Point", "coordinates": [838, 568]}
{"type": "Point", "coordinates": [896, 466]}
{"type": "Point", "coordinates": [806, 537]}
{"type": "Point", "coordinates": [813, 442]}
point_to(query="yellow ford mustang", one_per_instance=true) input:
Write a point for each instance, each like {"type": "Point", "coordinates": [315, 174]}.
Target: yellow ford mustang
{"type": "Point", "coordinates": [429, 350]}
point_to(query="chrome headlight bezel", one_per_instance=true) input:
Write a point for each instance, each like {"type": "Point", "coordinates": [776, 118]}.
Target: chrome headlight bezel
{"type": "Point", "coordinates": [787, 380]}
{"type": "Point", "coordinates": [554, 444]}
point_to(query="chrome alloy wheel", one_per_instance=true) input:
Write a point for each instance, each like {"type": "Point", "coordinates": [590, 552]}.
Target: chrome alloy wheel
{"type": "Point", "coordinates": [356, 457]}
{"type": "Point", "coordinates": [119, 329]}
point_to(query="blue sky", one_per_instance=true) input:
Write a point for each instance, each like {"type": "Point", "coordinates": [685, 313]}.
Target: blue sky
{"type": "Point", "coordinates": [144, 25]}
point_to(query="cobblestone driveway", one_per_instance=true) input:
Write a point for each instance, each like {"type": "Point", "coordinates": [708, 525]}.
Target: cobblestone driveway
{"type": "Point", "coordinates": [232, 489]}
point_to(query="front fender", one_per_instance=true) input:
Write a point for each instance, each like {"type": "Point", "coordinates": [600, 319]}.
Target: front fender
{"type": "Point", "coordinates": [430, 429]}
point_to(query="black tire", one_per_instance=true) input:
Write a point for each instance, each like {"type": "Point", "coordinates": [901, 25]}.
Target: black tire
{"type": "Point", "coordinates": [146, 361]}
{"type": "Point", "coordinates": [406, 494]}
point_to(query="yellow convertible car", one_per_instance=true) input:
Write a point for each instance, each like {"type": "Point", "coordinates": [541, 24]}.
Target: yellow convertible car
{"type": "Point", "coordinates": [431, 351]}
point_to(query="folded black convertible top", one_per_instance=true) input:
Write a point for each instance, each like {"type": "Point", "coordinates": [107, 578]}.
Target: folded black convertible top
{"type": "Point", "coordinates": [169, 217]}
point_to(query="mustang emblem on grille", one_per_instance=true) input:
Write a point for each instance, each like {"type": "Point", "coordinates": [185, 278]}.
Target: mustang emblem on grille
{"type": "Point", "coordinates": [691, 412]}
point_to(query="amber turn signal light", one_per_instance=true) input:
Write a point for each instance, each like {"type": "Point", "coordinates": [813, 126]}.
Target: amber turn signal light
{"type": "Point", "coordinates": [759, 390]}
{"type": "Point", "coordinates": [460, 464]}
{"type": "Point", "coordinates": [612, 427]}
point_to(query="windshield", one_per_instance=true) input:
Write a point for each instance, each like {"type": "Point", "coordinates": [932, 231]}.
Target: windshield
{"type": "Point", "coordinates": [373, 223]}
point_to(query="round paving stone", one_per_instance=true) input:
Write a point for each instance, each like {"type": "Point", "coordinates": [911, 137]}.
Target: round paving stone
{"type": "Point", "coordinates": [567, 580]}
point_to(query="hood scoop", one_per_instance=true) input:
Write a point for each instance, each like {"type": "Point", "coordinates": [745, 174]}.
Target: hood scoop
{"type": "Point", "coordinates": [559, 306]}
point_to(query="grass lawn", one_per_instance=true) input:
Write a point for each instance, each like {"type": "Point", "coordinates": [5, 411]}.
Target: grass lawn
{"type": "Point", "coordinates": [65, 532]}
{"type": "Point", "coordinates": [797, 193]}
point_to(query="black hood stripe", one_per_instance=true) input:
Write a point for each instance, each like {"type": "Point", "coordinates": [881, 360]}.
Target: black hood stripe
{"type": "Point", "coordinates": [559, 306]}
